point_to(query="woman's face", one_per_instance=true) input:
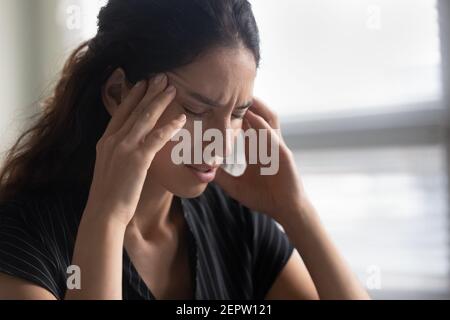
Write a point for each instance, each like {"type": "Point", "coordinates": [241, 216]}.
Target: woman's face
{"type": "Point", "coordinates": [216, 90]}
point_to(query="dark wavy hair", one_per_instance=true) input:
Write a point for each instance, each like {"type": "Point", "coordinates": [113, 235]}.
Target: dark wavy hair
{"type": "Point", "coordinates": [144, 37]}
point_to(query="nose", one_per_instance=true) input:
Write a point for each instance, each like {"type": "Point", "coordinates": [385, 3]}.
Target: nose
{"type": "Point", "coordinates": [224, 127]}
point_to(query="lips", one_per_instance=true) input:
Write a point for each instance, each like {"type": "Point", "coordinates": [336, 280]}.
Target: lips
{"type": "Point", "coordinates": [203, 168]}
{"type": "Point", "coordinates": [205, 173]}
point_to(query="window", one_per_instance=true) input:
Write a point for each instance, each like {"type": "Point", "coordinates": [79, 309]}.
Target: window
{"type": "Point", "coordinates": [358, 87]}
{"type": "Point", "coordinates": [386, 210]}
{"type": "Point", "coordinates": [332, 56]}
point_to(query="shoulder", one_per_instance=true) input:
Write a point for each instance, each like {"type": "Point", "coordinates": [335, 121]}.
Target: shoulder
{"type": "Point", "coordinates": [41, 209]}
{"type": "Point", "coordinates": [45, 221]}
{"type": "Point", "coordinates": [37, 233]}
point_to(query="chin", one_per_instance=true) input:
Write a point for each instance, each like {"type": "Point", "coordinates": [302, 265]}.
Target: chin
{"type": "Point", "coordinates": [188, 189]}
{"type": "Point", "coordinates": [182, 185]}
{"type": "Point", "coordinates": [181, 188]}
{"type": "Point", "coordinates": [179, 180]}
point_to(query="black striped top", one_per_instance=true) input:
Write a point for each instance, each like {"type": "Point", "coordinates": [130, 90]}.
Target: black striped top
{"type": "Point", "coordinates": [235, 253]}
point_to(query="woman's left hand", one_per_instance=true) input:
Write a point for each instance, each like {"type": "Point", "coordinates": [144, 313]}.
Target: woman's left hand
{"type": "Point", "coordinates": [282, 197]}
{"type": "Point", "coordinates": [278, 194]}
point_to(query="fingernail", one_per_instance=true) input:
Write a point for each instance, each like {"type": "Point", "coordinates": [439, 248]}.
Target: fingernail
{"type": "Point", "coordinates": [181, 117]}
{"type": "Point", "coordinates": [159, 78]}
{"type": "Point", "coordinates": [170, 89]}
{"type": "Point", "coordinates": [139, 84]}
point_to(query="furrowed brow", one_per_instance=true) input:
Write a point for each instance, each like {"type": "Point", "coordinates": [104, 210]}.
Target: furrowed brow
{"type": "Point", "coordinates": [212, 103]}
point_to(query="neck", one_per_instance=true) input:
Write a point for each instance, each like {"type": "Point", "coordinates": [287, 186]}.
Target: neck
{"type": "Point", "coordinates": [155, 211]}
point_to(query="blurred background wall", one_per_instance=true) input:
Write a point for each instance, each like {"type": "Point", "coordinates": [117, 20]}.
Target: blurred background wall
{"type": "Point", "coordinates": [361, 87]}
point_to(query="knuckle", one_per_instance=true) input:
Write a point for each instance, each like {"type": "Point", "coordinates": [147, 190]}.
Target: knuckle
{"type": "Point", "coordinates": [99, 145]}
{"type": "Point", "coordinates": [110, 141]}
{"type": "Point", "coordinates": [98, 148]}
{"type": "Point", "coordinates": [123, 147]}
{"type": "Point", "coordinates": [156, 107]}
{"type": "Point", "coordinates": [104, 142]}
{"type": "Point", "coordinates": [148, 113]}
{"type": "Point", "coordinates": [159, 134]}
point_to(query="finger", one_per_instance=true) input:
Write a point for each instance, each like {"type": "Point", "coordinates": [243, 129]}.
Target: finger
{"type": "Point", "coordinates": [155, 87]}
{"type": "Point", "coordinates": [261, 109]}
{"type": "Point", "coordinates": [150, 115]}
{"type": "Point", "coordinates": [256, 121]}
{"type": "Point", "coordinates": [125, 108]}
{"type": "Point", "coordinates": [259, 122]}
{"type": "Point", "coordinates": [247, 126]}
{"type": "Point", "coordinates": [157, 139]}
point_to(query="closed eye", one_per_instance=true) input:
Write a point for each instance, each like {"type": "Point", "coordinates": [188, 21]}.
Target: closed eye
{"type": "Point", "coordinates": [193, 113]}
{"type": "Point", "coordinates": [240, 112]}
{"type": "Point", "coordinates": [239, 115]}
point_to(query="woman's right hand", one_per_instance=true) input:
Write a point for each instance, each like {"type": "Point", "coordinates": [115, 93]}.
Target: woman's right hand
{"type": "Point", "coordinates": [128, 147]}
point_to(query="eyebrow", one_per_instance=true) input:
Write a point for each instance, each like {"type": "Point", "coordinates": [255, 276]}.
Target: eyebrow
{"type": "Point", "coordinates": [214, 104]}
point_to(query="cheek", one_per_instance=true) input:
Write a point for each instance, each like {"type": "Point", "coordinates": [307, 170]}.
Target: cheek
{"type": "Point", "coordinates": [163, 158]}
{"type": "Point", "coordinates": [162, 169]}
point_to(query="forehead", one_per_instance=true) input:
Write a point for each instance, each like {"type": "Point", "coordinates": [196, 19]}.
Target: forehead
{"type": "Point", "coordinates": [224, 75]}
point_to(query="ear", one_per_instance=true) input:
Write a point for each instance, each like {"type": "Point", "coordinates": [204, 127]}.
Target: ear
{"type": "Point", "coordinates": [115, 89]}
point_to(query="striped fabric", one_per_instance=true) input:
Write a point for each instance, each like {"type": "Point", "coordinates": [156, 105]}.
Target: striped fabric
{"type": "Point", "coordinates": [235, 253]}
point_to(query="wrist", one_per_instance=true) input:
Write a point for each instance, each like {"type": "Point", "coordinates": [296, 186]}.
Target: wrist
{"type": "Point", "coordinates": [104, 220]}
{"type": "Point", "coordinates": [299, 213]}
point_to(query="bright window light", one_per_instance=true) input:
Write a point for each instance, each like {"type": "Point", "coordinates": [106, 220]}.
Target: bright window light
{"type": "Point", "coordinates": [386, 209]}
{"type": "Point", "coordinates": [331, 56]}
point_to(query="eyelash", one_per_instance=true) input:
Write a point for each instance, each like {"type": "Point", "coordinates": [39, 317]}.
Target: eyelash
{"type": "Point", "coordinates": [200, 114]}
{"type": "Point", "coordinates": [240, 116]}
{"type": "Point", "coordinates": [193, 113]}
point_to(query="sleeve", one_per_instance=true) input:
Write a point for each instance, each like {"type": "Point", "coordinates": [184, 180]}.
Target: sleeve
{"type": "Point", "coordinates": [22, 252]}
{"type": "Point", "coordinates": [271, 250]}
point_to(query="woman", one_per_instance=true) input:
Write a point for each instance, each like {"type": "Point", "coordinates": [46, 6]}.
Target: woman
{"type": "Point", "coordinates": [91, 187]}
